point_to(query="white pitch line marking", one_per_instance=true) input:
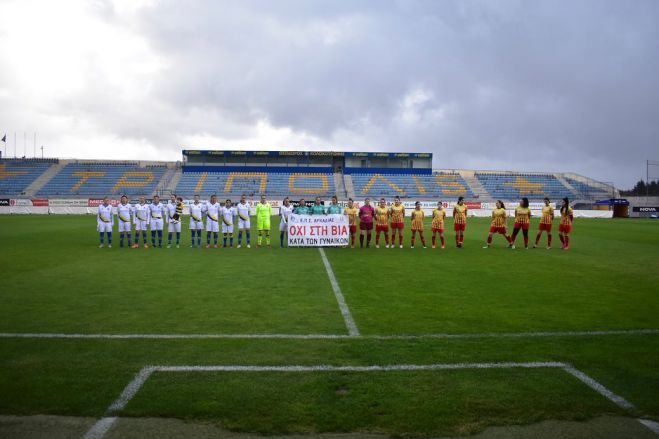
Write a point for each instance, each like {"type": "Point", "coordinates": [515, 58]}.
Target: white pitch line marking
{"type": "Point", "coordinates": [327, 336]}
{"type": "Point", "coordinates": [103, 425]}
{"type": "Point", "coordinates": [345, 311]}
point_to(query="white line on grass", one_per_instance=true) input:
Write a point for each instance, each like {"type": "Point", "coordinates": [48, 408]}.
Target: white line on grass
{"type": "Point", "coordinates": [103, 425]}
{"type": "Point", "coordinates": [345, 311]}
{"type": "Point", "coordinates": [652, 425]}
{"type": "Point", "coordinates": [328, 336]}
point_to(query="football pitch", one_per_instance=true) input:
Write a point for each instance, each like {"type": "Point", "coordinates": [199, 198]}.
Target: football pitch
{"type": "Point", "coordinates": [401, 342]}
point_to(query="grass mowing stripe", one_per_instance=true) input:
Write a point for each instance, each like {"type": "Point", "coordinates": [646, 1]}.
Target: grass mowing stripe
{"type": "Point", "coordinates": [327, 336]}
{"type": "Point", "coordinates": [345, 311]}
{"type": "Point", "coordinates": [103, 425]}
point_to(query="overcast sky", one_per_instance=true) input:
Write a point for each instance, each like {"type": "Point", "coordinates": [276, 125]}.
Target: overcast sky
{"type": "Point", "coordinates": [555, 85]}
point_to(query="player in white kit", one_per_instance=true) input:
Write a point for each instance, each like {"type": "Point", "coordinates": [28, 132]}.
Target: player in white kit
{"type": "Point", "coordinates": [227, 213]}
{"type": "Point", "coordinates": [157, 213]}
{"type": "Point", "coordinates": [141, 216]}
{"type": "Point", "coordinates": [212, 221]}
{"type": "Point", "coordinates": [124, 214]}
{"type": "Point", "coordinates": [173, 221]}
{"type": "Point", "coordinates": [105, 221]}
{"type": "Point", "coordinates": [284, 212]}
{"type": "Point", "coordinates": [196, 220]}
{"type": "Point", "coordinates": [242, 209]}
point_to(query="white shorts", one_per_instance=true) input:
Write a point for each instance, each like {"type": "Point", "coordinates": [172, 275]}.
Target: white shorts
{"type": "Point", "coordinates": [174, 227]}
{"type": "Point", "coordinates": [104, 227]}
{"type": "Point", "coordinates": [140, 225]}
{"type": "Point", "coordinates": [212, 226]}
{"type": "Point", "coordinates": [196, 225]}
{"type": "Point", "coordinates": [243, 224]}
{"type": "Point", "coordinates": [124, 226]}
{"type": "Point", "coordinates": [156, 224]}
{"type": "Point", "coordinates": [227, 228]}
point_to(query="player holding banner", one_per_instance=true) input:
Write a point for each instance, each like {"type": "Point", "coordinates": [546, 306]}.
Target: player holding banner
{"type": "Point", "coordinates": [284, 212]}
{"type": "Point", "coordinates": [174, 219]}
{"type": "Point", "coordinates": [334, 208]}
{"type": "Point", "coordinates": [242, 209]}
{"type": "Point", "coordinates": [141, 218]}
{"type": "Point", "coordinates": [156, 213]}
{"type": "Point", "coordinates": [263, 214]}
{"type": "Point", "coordinates": [105, 221]}
{"type": "Point", "coordinates": [124, 213]}
{"type": "Point", "coordinates": [196, 221]}
{"type": "Point", "coordinates": [227, 213]}
{"type": "Point", "coordinates": [212, 221]}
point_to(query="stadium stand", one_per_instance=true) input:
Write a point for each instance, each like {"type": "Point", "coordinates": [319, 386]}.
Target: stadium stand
{"type": "Point", "coordinates": [436, 185]}
{"type": "Point", "coordinates": [17, 174]}
{"type": "Point", "coordinates": [103, 178]}
{"type": "Point", "coordinates": [587, 191]}
{"type": "Point", "coordinates": [277, 184]}
{"type": "Point", "coordinates": [513, 186]}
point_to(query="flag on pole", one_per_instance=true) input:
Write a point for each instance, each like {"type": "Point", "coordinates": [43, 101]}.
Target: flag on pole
{"type": "Point", "coordinates": [4, 138]}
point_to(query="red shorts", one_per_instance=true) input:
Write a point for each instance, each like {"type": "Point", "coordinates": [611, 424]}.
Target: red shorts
{"type": "Point", "coordinates": [417, 229]}
{"type": "Point", "coordinates": [399, 226]}
{"type": "Point", "coordinates": [498, 229]}
{"type": "Point", "coordinates": [382, 228]}
{"type": "Point", "coordinates": [546, 227]}
{"type": "Point", "coordinates": [524, 226]}
{"type": "Point", "coordinates": [564, 228]}
{"type": "Point", "coordinates": [365, 226]}
{"type": "Point", "coordinates": [459, 227]}
{"type": "Point", "coordinates": [353, 229]}
{"type": "Point", "coordinates": [435, 230]}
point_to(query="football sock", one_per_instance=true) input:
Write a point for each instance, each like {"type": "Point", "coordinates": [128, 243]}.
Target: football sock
{"type": "Point", "coordinates": [562, 240]}
{"type": "Point", "coordinates": [160, 238]}
{"type": "Point", "coordinates": [230, 239]}
{"type": "Point", "coordinates": [169, 238]}
{"type": "Point", "coordinates": [121, 239]}
{"type": "Point", "coordinates": [102, 237]}
{"type": "Point", "coordinates": [434, 239]}
{"type": "Point", "coordinates": [489, 239]}
{"type": "Point", "coordinates": [259, 238]}
{"type": "Point", "coordinates": [537, 238]}
{"type": "Point", "coordinates": [215, 237]}
{"type": "Point", "coordinates": [267, 237]}
{"type": "Point", "coordinates": [400, 238]}
{"type": "Point", "coordinates": [110, 238]}
{"type": "Point", "coordinates": [199, 237]}
{"type": "Point", "coordinates": [548, 239]}
{"type": "Point", "coordinates": [386, 238]}
{"type": "Point", "coordinates": [208, 238]}
{"type": "Point", "coordinates": [224, 238]}
{"type": "Point", "coordinates": [567, 241]}
{"type": "Point", "coordinates": [247, 236]}
{"type": "Point", "coordinates": [153, 238]}
{"type": "Point", "coordinates": [281, 239]}
{"type": "Point", "coordinates": [192, 236]}
{"type": "Point", "coordinates": [377, 239]}
{"type": "Point", "coordinates": [423, 239]}
{"type": "Point", "coordinates": [361, 240]}
{"type": "Point", "coordinates": [240, 237]}
{"type": "Point", "coordinates": [442, 238]}
{"type": "Point", "coordinates": [368, 238]}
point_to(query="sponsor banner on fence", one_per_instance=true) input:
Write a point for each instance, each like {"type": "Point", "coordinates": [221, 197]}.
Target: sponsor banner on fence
{"type": "Point", "coordinates": [40, 202]}
{"type": "Point", "coordinates": [317, 230]}
{"type": "Point", "coordinates": [95, 202]}
{"type": "Point", "coordinates": [69, 203]}
{"type": "Point", "coordinates": [4, 202]}
{"type": "Point", "coordinates": [20, 202]}
{"type": "Point", "coordinates": [645, 209]}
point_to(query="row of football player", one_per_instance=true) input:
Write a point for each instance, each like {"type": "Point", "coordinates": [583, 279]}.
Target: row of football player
{"type": "Point", "coordinates": [383, 215]}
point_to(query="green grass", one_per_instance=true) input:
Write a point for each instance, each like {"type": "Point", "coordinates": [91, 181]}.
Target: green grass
{"type": "Point", "coordinates": [55, 279]}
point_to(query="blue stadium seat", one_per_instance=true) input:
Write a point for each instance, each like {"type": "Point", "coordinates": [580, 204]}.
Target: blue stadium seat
{"type": "Point", "coordinates": [272, 184]}
{"type": "Point", "coordinates": [513, 186]}
{"type": "Point", "coordinates": [100, 179]}
{"type": "Point", "coordinates": [586, 191]}
{"type": "Point", "coordinates": [437, 185]}
{"type": "Point", "coordinates": [17, 175]}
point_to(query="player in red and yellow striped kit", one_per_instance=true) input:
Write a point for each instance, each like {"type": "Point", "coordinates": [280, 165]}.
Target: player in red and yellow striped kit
{"type": "Point", "coordinates": [382, 223]}
{"type": "Point", "coordinates": [438, 217]}
{"type": "Point", "coordinates": [498, 225]}
{"type": "Point", "coordinates": [522, 221]}
{"type": "Point", "coordinates": [565, 227]}
{"type": "Point", "coordinates": [545, 223]}
{"type": "Point", "coordinates": [352, 212]}
{"type": "Point", "coordinates": [417, 224]}
{"type": "Point", "coordinates": [459, 221]}
{"type": "Point", "coordinates": [397, 222]}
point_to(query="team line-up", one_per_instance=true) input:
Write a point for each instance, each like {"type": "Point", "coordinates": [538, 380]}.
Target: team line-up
{"type": "Point", "coordinates": [152, 216]}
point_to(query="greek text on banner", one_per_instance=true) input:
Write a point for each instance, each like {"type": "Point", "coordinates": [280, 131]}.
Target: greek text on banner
{"type": "Point", "coordinates": [317, 230]}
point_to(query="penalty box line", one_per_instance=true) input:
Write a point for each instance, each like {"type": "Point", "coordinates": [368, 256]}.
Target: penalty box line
{"type": "Point", "coordinates": [101, 427]}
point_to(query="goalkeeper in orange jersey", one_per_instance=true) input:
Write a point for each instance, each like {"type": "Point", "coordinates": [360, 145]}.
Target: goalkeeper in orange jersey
{"type": "Point", "coordinates": [522, 221]}
{"type": "Point", "coordinates": [438, 217]}
{"type": "Point", "coordinates": [545, 223]}
{"type": "Point", "coordinates": [352, 212]}
{"type": "Point", "coordinates": [498, 224]}
{"type": "Point", "coordinates": [382, 219]}
{"type": "Point", "coordinates": [417, 224]}
{"type": "Point", "coordinates": [565, 227]}
{"type": "Point", "coordinates": [460, 221]}
{"type": "Point", "coordinates": [397, 211]}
